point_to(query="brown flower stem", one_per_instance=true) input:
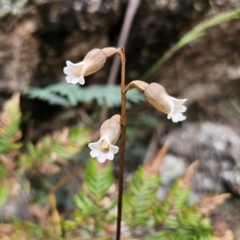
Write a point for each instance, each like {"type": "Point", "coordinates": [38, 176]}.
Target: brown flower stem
{"type": "Point", "coordinates": [122, 144]}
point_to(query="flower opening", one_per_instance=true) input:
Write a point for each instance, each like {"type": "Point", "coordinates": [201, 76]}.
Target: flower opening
{"type": "Point", "coordinates": [103, 150]}
{"type": "Point", "coordinates": [75, 72]}
{"type": "Point", "coordinates": [109, 133]}
{"type": "Point", "coordinates": [178, 109]}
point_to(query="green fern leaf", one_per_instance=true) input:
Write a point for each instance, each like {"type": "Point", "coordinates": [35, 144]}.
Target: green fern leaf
{"type": "Point", "coordinates": [98, 180]}
{"type": "Point", "coordinates": [65, 94]}
{"type": "Point", "coordinates": [3, 172]}
{"type": "Point", "coordinates": [4, 191]}
{"type": "Point", "coordinates": [85, 204]}
{"type": "Point", "coordinates": [139, 199]}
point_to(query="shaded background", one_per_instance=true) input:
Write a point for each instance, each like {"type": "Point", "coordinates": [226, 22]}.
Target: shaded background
{"type": "Point", "coordinates": [37, 37]}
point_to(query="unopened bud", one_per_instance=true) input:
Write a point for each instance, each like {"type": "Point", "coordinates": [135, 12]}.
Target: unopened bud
{"type": "Point", "coordinates": [156, 95]}
{"type": "Point", "coordinates": [140, 85]}
{"type": "Point", "coordinates": [95, 60]}
{"type": "Point", "coordinates": [109, 51]}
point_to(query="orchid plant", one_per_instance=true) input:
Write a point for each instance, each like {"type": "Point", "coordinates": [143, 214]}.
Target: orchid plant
{"type": "Point", "coordinates": [111, 129]}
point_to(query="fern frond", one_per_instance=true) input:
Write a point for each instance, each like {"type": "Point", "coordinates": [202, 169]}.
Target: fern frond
{"type": "Point", "coordinates": [139, 199]}
{"type": "Point", "coordinates": [61, 146]}
{"type": "Point", "coordinates": [67, 95]}
{"type": "Point", "coordinates": [98, 180]}
{"type": "Point", "coordinates": [92, 210]}
{"type": "Point", "coordinates": [9, 125]}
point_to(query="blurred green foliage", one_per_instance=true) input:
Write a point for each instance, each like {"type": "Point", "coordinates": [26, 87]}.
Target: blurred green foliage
{"type": "Point", "coordinates": [69, 95]}
{"type": "Point", "coordinates": [92, 214]}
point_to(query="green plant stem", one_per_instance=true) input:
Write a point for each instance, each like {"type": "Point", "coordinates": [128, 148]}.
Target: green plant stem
{"type": "Point", "coordinates": [193, 34]}
{"type": "Point", "coordinates": [122, 144]}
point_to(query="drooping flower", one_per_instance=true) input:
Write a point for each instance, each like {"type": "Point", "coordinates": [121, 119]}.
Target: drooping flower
{"type": "Point", "coordinates": [156, 95]}
{"type": "Point", "coordinates": [93, 61]}
{"type": "Point", "coordinates": [109, 134]}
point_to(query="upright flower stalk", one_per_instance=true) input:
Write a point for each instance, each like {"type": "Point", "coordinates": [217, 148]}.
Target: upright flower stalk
{"type": "Point", "coordinates": [122, 144]}
{"type": "Point", "coordinates": [155, 94]}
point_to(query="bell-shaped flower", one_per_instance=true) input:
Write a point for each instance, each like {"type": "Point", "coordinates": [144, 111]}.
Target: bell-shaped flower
{"type": "Point", "coordinates": [109, 133]}
{"type": "Point", "coordinates": [156, 95]}
{"type": "Point", "coordinates": [93, 61]}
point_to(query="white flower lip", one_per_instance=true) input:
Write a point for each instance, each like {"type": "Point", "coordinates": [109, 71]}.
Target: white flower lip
{"type": "Point", "coordinates": [177, 110]}
{"type": "Point", "coordinates": [101, 154]}
{"type": "Point", "coordinates": [74, 72]}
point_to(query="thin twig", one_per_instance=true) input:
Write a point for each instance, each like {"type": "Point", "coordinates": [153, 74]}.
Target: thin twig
{"type": "Point", "coordinates": [128, 19]}
{"type": "Point", "coordinates": [67, 178]}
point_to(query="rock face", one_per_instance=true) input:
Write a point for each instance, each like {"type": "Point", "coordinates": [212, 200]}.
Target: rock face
{"type": "Point", "coordinates": [37, 39]}
{"type": "Point", "coordinates": [217, 147]}
{"type": "Point", "coordinates": [38, 36]}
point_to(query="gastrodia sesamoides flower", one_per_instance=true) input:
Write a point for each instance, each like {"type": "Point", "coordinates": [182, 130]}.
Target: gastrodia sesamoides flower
{"type": "Point", "coordinates": [104, 148]}
{"type": "Point", "coordinates": [93, 61]}
{"type": "Point", "coordinates": [156, 95]}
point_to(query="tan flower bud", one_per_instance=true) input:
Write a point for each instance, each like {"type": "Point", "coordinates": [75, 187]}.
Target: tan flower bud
{"type": "Point", "coordinates": [109, 51]}
{"type": "Point", "coordinates": [156, 95]}
{"type": "Point", "coordinates": [111, 128]}
{"type": "Point", "coordinates": [140, 85]}
{"type": "Point", "coordinates": [95, 60]}
{"type": "Point", "coordinates": [116, 117]}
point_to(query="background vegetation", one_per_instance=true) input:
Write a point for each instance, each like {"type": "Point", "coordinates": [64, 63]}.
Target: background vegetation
{"type": "Point", "coordinates": [50, 189]}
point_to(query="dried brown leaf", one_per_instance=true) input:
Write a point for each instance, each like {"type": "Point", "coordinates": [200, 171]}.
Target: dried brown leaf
{"type": "Point", "coordinates": [39, 212]}
{"type": "Point", "coordinates": [209, 203]}
{"type": "Point", "coordinates": [7, 162]}
{"type": "Point", "coordinates": [186, 179]}
{"type": "Point", "coordinates": [48, 168]}
{"type": "Point", "coordinates": [152, 168]}
{"type": "Point", "coordinates": [6, 229]}
{"type": "Point", "coordinates": [223, 234]}
{"type": "Point", "coordinates": [110, 228]}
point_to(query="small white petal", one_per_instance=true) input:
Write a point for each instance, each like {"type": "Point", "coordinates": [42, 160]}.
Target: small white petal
{"type": "Point", "coordinates": [81, 80]}
{"type": "Point", "coordinates": [95, 145]}
{"type": "Point", "coordinates": [178, 102]}
{"type": "Point", "coordinates": [94, 153]}
{"type": "Point", "coordinates": [74, 65]}
{"type": "Point", "coordinates": [114, 149]}
{"type": "Point", "coordinates": [67, 70]}
{"type": "Point", "coordinates": [174, 119]}
{"type": "Point", "coordinates": [177, 117]}
{"type": "Point", "coordinates": [101, 158]}
{"type": "Point", "coordinates": [109, 156]}
{"type": "Point", "coordinates": [181, 118]}
{"type": "Point", "coordinates": [75, 80]}
{"type": "Point", "coordinates": [69, 78]}
{"type": "Point", "coordinates": [182, 108]}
